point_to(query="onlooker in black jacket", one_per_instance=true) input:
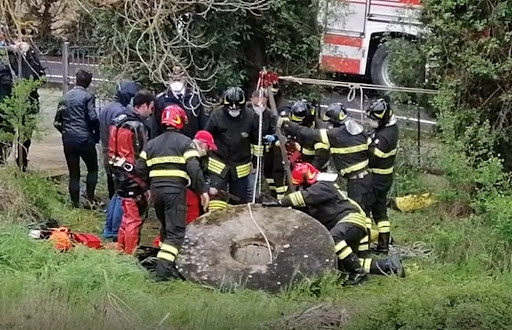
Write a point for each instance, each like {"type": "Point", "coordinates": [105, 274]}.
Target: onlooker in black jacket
{"type": "Point", "coordinates": [77, 120]}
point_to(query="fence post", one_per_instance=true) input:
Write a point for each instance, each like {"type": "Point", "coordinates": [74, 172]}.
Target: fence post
{"type": "Point", "coordinates": [65, 66]}
{"type": "Point", "coordinates": [419, 136]}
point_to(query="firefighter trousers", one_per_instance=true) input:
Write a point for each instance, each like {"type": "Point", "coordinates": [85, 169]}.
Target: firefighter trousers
{"type": "Point", "coordinates": [360, 190]}
{"type": "Point", "coordinates": [347, 237]}
{"type": "Point", "coordinates": [134, 209]}
{"type": "Point", "coordinates": [236, 187]}
{"type": "Point", "coordinates": [274, 172]}
{"type": "Point", "coordinates": [381, 185]}
{"type": "Point", "coordinates": [170, 209]}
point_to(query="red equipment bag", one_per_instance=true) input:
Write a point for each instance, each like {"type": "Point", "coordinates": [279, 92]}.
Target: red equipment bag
{"type": "Point", "coordinates": [88, 240]}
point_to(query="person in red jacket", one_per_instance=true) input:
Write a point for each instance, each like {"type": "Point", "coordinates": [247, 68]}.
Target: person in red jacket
{"type": "Point", "coordinates": [128, 137]}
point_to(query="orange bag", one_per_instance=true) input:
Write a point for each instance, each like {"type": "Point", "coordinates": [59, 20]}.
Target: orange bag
{"type": "Point", "coordinates": [60, 239]}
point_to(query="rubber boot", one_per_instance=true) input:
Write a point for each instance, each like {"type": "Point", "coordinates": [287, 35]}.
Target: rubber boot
{"type": "Point", "coordinates": [389, 266]}
{"type": "Point", "coordinates": [166, 271]}
{"type": "Point", "coordinates": [356, 274]}
{"type": "Point", "coordinates": [383, 244]}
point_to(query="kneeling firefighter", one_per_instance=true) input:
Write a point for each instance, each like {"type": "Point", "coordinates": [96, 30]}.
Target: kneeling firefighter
{"type": "Point", "coordinates": [347, 144]}
{"type": "Point", "coordinates": [170, 163]}
{"type": "Point", "coordinates": [383, 149]}
{"type": "Point", "coordinates": [322, 199]}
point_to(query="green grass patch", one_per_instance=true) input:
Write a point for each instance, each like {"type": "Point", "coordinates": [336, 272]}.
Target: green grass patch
{"type": "Point", "coordinates": [463, 284]}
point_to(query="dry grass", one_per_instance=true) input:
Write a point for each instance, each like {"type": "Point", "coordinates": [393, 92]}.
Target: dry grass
{"type": "Point", "coordinates": [324, 316]}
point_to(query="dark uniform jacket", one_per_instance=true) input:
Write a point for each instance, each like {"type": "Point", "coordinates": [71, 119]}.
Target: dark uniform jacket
{"type": "Point", "coordinates": [235, 139]}
{"type": "Point", "coordinates": [349, 152]}
{"type": "Point", "coordinates": [171, 161]}
{"type": "Point", "coordinates": [76, 116]}
{"type": "Point", "coordinates": [194, 110]}
{"type": "Point", "coordinates": [326, 203]}
{"type": "Point", "coordinates": [383, 149]}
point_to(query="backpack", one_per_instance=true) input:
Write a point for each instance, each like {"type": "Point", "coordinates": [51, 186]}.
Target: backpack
{"type": "Point", "coordinates": [123, 138]}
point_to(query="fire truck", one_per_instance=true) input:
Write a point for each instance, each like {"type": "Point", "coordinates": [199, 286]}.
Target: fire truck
{"type": "Point", "coordinates": [355, 34]}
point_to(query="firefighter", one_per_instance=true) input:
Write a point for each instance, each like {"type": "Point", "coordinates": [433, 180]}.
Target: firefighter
{"type": "Point", "coordinates": [128, 137]}
{"type": "Point", "coordinates": [204, 143]}
{"type": "Point", "coordinates": [383, 149]}
{"type": "Point", "coordinates": [170, 164]}
{"type": "Point", "coordinates": [322, 199]}
{"type": "Point", "coordinates": [235, 130]}
{"type": "Point", "coordinates": [347, 144]}
{"type": "Point", "coordinates": [181, 93]}
{"type": "Point", "coordinates": [298, 149]}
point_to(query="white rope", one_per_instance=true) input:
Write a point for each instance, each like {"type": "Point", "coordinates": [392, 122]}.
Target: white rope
{"type": "Point", "coordinates": [255, 190]}
{"type": "Point", "coordinates": [262, 233]}
{"type": "Point", "coordinates": [321, 82]}
{"type": "Point", "coordinates": [352, 95]}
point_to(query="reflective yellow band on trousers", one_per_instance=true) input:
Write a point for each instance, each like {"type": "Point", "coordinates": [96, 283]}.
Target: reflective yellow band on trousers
{"type": "Point", "coordinates": [243, 170]}
{"type": "Point", "coordinates": [166, 160]}
{"type": "Point", "coordinates": [216, 166]}
{"type": "Point", "coordinates": [342, 250]}
{"type": "Point", "coordinates": [169, 173]}
{"type": "Point", "coordinates": [353, 168]}
{"type": "Point", "coordinates": [167, 252]}
{"type": "Point", "coordinates": [143, 155]}
{"type": "Point", "coordinates": [382, 171]}
{"type": "Point", "coordinates": [365, 264]}
{"type": "Point", "coordinates": [282, 190]}
{"type": "Point", "coordinates": [349, 150]}
{"type": "Point", "coordinates": [384, 226]}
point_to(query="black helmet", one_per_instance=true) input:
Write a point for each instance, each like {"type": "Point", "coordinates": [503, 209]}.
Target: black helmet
{"type": "Point", "coordinates": [379, 111]}
{"type": "Point", "coordinates": [234, 98]}
{"type": "Point", "coordinates": [300, 110]}
{"type": "Point", "coordinates": [336, 113]}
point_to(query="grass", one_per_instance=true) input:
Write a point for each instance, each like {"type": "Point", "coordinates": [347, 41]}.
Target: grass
{"type": "Point", "coordinates": [463, 285]}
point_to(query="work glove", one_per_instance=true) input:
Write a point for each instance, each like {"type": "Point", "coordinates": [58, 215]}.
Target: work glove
{"type": "Point", "coordinates": [269, 138]}
{"type": "Point", "coordinates": [271, 204]}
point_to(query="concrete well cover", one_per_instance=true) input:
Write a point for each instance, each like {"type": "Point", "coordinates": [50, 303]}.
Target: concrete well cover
{"type": "Point", "coordinates": [226, 249]}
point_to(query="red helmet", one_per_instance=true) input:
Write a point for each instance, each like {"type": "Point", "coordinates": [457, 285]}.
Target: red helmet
{"type": "Point", "coordinates": [304, 173]}
{"type": "Point", "coordinates": [174, 116]}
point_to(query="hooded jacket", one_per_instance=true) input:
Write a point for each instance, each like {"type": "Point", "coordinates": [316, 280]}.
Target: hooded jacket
{"type": "Point", "coordinates": [124, 94]}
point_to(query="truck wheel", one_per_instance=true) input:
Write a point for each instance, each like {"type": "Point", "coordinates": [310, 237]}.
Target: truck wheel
{"type": "Point", "coordinates": [381, 67]}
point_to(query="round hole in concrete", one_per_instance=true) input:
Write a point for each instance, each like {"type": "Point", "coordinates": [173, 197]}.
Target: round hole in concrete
{"type": "Point", "coordinates": [252, 251]}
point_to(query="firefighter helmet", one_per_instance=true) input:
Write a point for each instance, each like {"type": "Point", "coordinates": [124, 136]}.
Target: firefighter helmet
{"type": "Point", "coordinates": [380, 111]}
{"type": "Point", "coordinates": [234, 98]}
{"type": "Point", "coordinates": [336, 113]}
{"type": "Point", "coordinates": [174, 116]}
{"type": "Point", "coordinates": [304, 173]}
{"type": "Point", "coordinates": [300, 110]}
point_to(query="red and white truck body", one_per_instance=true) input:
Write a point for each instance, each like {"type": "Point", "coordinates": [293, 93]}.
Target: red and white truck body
{"type": "Point", "coordinates": [353, 32]}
